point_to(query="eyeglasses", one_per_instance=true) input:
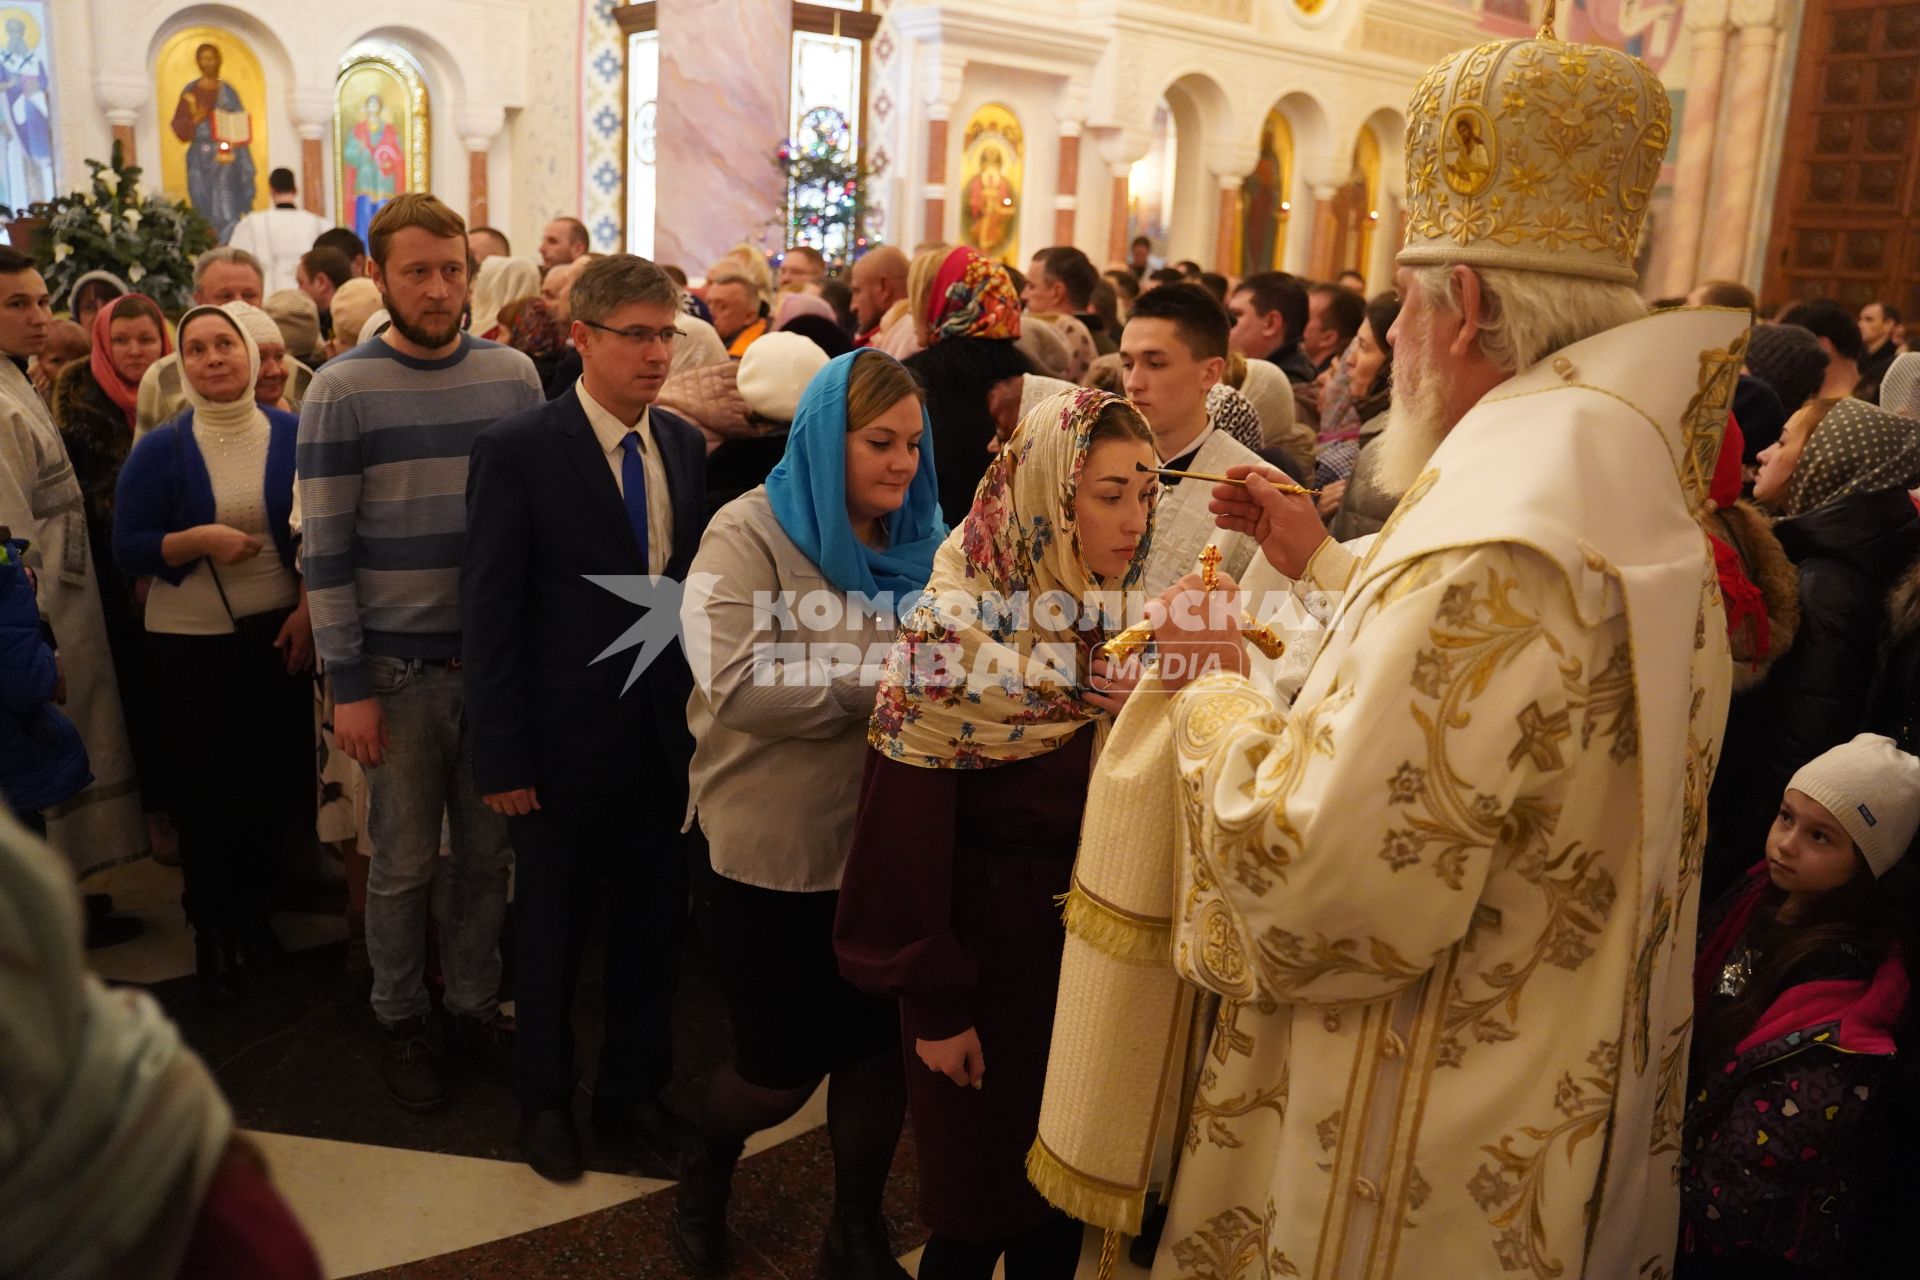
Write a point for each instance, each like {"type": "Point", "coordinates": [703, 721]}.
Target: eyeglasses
{"type": "Point", "coordinates": [639, 336]}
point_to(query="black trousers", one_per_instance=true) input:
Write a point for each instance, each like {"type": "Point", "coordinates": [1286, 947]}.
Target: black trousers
{"type": "Point", "coordinates": [236, 734]}
{"type": "Point", "coordinates": [621, 845]}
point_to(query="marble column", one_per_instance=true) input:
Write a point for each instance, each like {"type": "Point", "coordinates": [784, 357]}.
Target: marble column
{"type": "Point", "coordinates": [934, 225]}
{"type": "Point", "coordinates": [1728, 215]}
{"type": "Point", "coordinates": [1066, 200]}
{"type": "Point", "coordinates": [312, 104]}
{"type": "Point", "coordinates": [313, 169]}
{"type": "Point", "coordinates": [477, 211]}
{"type": "Point", "coordinates": [1224, 224]}
{"type": "Point", "coordinates": [1117, 214]}
{"type": "Point", "coordinates": [1326, 234]}
{"type": "Point", "coordinates": [724, 70]}
{"type": "Point", "coordinates": [1707, 34]}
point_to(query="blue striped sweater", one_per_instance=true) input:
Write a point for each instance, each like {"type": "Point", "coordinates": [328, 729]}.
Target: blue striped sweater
{"type": "Point", "coordinates": [382, 467]}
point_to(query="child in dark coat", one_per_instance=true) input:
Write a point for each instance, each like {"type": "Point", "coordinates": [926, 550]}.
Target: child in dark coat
{"type": "Point", "coordinates": [42, 759]}
{"type": "Point", "coordinates": [1799, 988]}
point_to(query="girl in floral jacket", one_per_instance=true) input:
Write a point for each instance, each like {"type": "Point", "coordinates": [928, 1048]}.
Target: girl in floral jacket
{"type": "Point", "coordinates": [1798, 990]}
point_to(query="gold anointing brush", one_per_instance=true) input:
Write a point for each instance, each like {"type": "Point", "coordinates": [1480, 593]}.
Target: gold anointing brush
{"type": "Point", "coordinates": [1282, 485]}
{"type": "Point", "coordinates": [1258, 634]}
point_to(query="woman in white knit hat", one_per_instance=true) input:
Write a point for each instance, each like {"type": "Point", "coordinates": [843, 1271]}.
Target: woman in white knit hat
{"type": "Point", "coordinates": [1799, 985]}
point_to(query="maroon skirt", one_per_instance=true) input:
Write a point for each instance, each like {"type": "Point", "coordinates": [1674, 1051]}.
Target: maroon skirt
{"type": "Point", "coordinates": [972, 1143]}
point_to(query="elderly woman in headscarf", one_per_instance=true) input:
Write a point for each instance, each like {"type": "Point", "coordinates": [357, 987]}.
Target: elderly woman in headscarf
{"type": "Point", "coordinates": [969, 319]}
{"type": "Point", "coordinates": [969, 815]}
{"type": "Point", "coordinates": [283, 380]}
{"type": "Point", "coordinates": [500, 281]}
{"type": "Point", "coordinates": [851, 514]}
{"type": "Point", "coordinates": [203, 508]}
{"type": "Point", "coordinates": [1839, 476]}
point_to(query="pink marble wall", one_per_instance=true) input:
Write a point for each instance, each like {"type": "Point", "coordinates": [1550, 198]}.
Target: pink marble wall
{"type": "Point", "coordinates": [724, 67]}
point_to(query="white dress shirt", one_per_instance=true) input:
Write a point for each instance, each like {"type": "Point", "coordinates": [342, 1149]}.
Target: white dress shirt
{"type": "Point", "coordinates": [610, 431]}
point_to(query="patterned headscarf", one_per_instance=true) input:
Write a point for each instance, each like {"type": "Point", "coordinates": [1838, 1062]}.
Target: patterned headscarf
{"type": "Point", "coordinates": [1232, 414]}
{"type": "Point", "coordinates": [1857, 448]}
{"type": "Point", "coordinates": [973, 297]}
{"type": "Point", "coordinates": [952, 697]}
{"type": "Point", "coordinates": [533, 329]}
{"type": "Point", "coordinates": [1900, 388]}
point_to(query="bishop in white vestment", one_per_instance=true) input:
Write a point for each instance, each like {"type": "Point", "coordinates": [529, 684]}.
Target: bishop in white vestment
{"type": "Point", "coordinates": [1446, 894]}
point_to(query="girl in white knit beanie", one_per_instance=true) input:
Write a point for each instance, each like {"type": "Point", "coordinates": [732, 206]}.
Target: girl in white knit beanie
{"type": "Point", "coordinates": [1800, 983]}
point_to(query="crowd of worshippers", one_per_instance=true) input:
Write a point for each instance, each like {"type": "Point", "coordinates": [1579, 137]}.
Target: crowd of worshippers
{"type": "Point", "coordinates": [361, 503]}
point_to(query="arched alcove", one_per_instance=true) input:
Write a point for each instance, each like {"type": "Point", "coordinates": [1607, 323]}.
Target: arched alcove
{"type": "Point", "coordinates": [1312, 137]}
{"type": "Point", "coordinates": [1202, 118]}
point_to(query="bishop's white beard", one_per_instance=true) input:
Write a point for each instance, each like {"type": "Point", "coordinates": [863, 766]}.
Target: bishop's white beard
{"type": "Point", "coordinates": [1416, 418]}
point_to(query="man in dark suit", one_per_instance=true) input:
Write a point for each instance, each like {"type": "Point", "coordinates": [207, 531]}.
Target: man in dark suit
{"type": "Point", "coordinates": [591, 773]}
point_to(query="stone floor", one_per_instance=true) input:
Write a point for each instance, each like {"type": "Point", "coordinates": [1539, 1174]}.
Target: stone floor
{"type": "Point", "coordinates": [389, 1194]}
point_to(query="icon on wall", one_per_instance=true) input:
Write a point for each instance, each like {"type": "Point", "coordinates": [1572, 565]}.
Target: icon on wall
{"type": "Point", "coordinates": [992, 165]}
{"type": "Point", "coordinates": [26, 115]}
{"type": "Point", "coordinates": [211, 91]}
{"type": "Point", "coordinates": [1263, 199]}
{"type": "Point", "coordinates": [380, 124]}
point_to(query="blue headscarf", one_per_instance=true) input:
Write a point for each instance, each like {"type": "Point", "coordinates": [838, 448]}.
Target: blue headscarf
{"type": "Point", "coordinates": [808, 491]}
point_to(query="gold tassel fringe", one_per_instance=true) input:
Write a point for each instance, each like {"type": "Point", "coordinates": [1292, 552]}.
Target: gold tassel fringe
{"type": "Point", "coordinates": [1080, 1197]}
{"type": "Point", "coordinates": [1124, 937]}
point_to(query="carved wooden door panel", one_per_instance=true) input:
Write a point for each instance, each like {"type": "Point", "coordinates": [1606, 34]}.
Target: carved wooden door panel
{"type": "Point", "coordinates": [1847, 221]}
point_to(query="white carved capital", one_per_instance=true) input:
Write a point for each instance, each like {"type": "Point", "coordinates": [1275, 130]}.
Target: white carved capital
{"type": "Point", "coordinates": [940, 79]}
{"type": "Point", "coordinates": [1705, 16]}
{"type": "Point", "coordinates": [1075, 93]}
{"type": "Point", "coordinates": [1121, 147]}
{"type": "Point", "coordinates": [480, 122]}
{"type": "Point", "coordinates": [122, 94]}
{"type": "Point", "coordinates": [1232, 163]}
{"type": "Point", "coordinates": [1325, 172]}
{"type": "Point", "coordinates": [1751, 15]}
{"type": "Point", "coordinates": [312, 106]}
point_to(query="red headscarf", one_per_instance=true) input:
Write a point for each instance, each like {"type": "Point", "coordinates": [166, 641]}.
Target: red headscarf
{"type": "Point", "coordinates": [122, 392]}
{"type": "Point", "coordinates": [973, 297]}
{"type": "Point", "coordinates": [1748, 626]}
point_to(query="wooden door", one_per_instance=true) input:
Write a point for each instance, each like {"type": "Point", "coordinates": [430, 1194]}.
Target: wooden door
{"type": "Point", "coordinates": [1847, 221]}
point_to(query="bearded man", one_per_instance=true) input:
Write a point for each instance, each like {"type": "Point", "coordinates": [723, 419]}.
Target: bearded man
{"type": "Point", "coordinates": [385, 431]}
{"type": "Point", "coordinates": [1445, 895]}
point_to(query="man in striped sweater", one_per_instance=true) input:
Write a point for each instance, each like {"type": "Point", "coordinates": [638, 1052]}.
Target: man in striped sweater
{"type": "Point", "coordinates": [384, 436]}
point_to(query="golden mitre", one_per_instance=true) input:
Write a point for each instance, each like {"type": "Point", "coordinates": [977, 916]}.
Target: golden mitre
{"type": "Point", "coordinates": [1534, 154]}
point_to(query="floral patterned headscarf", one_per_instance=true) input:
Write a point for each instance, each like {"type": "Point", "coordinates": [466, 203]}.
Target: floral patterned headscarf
{"type": "Point", "coordinates": [973, 297]}
{"type": "Point", "coordinates": [953, 694]}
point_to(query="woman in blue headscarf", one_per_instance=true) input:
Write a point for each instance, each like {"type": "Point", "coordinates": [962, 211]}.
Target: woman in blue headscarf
{"type": "Point", "coordinates": [792, 605]}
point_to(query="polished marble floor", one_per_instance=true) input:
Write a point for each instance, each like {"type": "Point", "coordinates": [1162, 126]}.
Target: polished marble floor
{"type": "Point", "coordinates": [388, 1194]}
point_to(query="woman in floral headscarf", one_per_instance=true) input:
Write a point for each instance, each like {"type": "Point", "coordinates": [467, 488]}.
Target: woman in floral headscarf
{"type": "Point", "coordinates": [969, 319]}
{"type": "Point", "coordinates": [969, 817]}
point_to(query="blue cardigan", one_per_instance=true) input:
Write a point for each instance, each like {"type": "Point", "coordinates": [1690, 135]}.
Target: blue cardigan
{"type": "Point", "coordinates": [164, 488]}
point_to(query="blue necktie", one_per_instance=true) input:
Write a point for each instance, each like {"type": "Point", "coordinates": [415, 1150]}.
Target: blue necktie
{"type": "Point", "coordinates": [633, 480]}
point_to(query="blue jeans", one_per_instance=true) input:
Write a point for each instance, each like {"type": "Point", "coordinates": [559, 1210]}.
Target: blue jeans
{"type": "Point", "coordinates": [428, 773]}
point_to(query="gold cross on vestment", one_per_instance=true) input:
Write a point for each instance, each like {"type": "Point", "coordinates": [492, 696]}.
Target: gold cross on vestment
{"type": "Point", "coordinates": [1540, 735]}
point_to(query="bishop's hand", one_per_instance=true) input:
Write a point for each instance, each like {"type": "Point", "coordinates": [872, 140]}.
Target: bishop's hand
{"type": "Point", "coordinates": [1286, 525]}
{"type": "Point", "coordinates": [1196, 628]}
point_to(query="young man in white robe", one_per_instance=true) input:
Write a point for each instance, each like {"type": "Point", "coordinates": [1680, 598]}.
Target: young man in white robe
{"type": "Point", "coordinates": [1173, 352]}
{"type": "Point", "coordinates": [1446, 895]}
{"type": "Point", "coordinates": [40, 501]}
